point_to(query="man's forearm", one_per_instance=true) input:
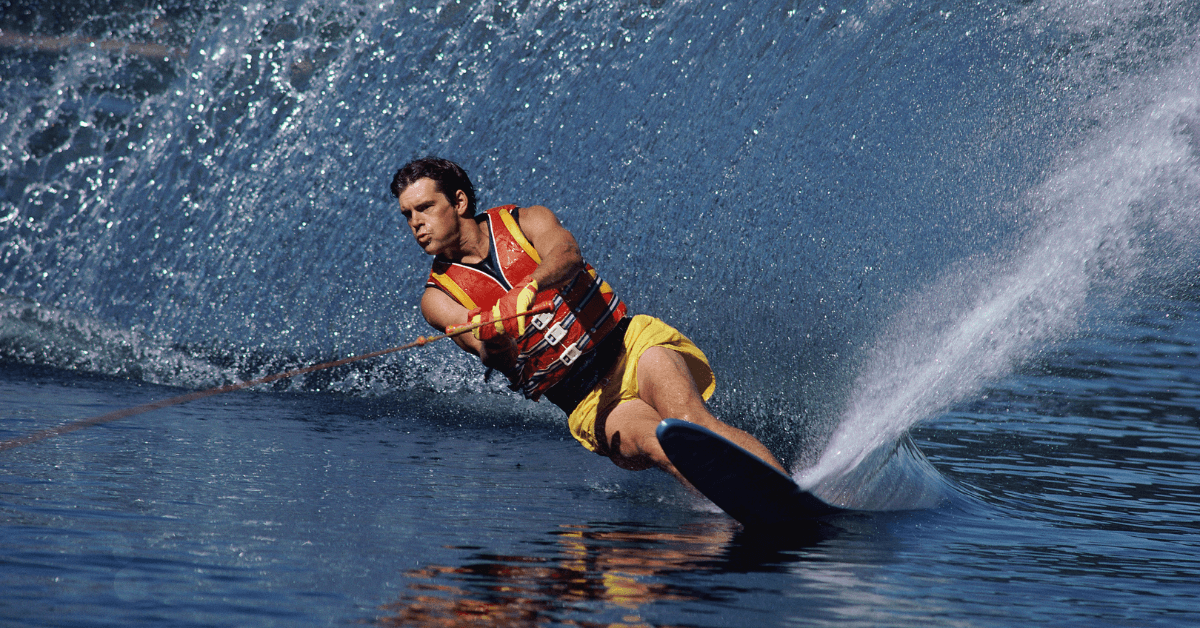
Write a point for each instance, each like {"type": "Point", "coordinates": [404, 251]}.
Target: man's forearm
{"type": "Point", "coordinates": [558, 267]}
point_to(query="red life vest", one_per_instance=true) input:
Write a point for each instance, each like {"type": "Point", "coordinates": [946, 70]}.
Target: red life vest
{"type": "Point", "coordinates": [585, 308]}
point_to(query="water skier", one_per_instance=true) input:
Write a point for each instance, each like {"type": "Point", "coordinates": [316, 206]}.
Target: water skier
{"type": "Point", "coordinates": [614, 375]}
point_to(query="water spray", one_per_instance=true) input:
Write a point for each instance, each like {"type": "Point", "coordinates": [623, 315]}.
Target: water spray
{"type": "Point", "coordinates": [421, 341]}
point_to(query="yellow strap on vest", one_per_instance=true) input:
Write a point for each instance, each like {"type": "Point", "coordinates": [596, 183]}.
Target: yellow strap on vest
{"type": "Point", "coordinates": [448, 284]}
{"type": "Point", "coordinates": [518, 235]}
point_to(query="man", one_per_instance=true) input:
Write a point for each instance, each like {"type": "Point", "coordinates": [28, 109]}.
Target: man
{"type": "Point", "coordinates": [615, 376]}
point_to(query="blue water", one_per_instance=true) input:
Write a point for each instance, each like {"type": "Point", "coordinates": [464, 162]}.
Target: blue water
{"type": "Point", "coordinates": [942, 257]}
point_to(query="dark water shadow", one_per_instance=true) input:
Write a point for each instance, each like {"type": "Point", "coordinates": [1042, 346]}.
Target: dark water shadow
{"type": "Point", "coordinates": [774, 549]}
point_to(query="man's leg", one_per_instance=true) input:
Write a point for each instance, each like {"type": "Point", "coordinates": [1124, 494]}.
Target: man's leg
{"type": "Point", "coordinates": [665, 389]}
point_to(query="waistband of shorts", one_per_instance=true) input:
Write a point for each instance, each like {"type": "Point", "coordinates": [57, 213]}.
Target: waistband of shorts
{"type": "Point", "coordinates": [588, 371]}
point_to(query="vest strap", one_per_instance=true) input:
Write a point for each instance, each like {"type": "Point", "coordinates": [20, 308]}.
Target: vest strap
{"type": "Point", "coordinates": [589, 370]}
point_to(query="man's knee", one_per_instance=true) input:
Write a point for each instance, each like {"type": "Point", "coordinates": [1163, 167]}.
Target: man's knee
{"type": "Point", "coordinates": [632, 437]}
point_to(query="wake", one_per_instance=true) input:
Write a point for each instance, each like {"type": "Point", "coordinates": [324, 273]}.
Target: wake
{"type": "Point", "coordinates": [1121, 207]}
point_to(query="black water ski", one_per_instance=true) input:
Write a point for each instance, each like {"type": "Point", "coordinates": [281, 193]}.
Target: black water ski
{"type": "Point", "coordinates": [750, 490]}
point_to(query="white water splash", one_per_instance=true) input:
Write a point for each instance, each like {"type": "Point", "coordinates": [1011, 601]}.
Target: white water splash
{"type": "Point", "coordinates": [1126, 202]}
{"type": "Point", "coordinates": [31, 333]}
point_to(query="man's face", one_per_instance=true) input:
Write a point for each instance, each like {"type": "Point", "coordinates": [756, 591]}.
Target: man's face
{"type": "Point", "coordinates": [431, 216]}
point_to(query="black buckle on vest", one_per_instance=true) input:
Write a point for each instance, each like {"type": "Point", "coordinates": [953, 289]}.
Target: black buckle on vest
{"type": "Point", "coordinates": [588, 370]}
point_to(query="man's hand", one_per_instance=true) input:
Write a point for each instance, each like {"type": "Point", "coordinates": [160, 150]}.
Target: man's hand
{"type": "Point", "coordinates": [505, 313]}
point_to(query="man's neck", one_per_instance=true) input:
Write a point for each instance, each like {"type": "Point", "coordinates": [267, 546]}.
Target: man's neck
{"type": "Point", "coordinates": [474, 243]}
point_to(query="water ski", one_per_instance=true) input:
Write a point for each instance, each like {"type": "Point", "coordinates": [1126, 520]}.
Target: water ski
{"type": "Point", "coordinates": [750, 490]}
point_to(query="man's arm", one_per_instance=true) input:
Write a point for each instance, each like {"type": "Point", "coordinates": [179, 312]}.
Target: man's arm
{"type": "Point", "coordinates": [561, 259]}
{"type": "Point", "coordinates": [441, 312]}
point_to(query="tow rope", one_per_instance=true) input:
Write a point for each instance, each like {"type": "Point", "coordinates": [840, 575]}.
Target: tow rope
{"type": "Point", "coordinates": [173, 401]}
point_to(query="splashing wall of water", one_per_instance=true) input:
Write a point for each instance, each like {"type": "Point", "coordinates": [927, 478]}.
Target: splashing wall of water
{"type": "Point", "coordinates": [1118, 214]}
{"type": "Point", "coordinates": [774, 178]}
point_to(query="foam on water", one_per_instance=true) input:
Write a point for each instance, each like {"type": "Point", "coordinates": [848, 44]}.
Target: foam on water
{"type": "Point", "coordinates": [34, 334]}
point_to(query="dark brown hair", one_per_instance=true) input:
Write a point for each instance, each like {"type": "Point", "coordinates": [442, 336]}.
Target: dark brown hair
{"type": "Point", "coordinates": [449, 177]}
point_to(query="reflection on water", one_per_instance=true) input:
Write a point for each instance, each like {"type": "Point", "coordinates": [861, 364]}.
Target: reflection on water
{"type": "Point", "coordinates": [589, 566]}
{"type": "Point", "coordinates": [599, 570]}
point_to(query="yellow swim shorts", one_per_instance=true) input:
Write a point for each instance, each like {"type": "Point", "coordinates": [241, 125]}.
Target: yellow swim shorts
{"type": "Point", "coordinates": [621, 385]}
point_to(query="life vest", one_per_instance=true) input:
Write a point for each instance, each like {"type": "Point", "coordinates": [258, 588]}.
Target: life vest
{"type": "Point", "coordinates": [585, 309]}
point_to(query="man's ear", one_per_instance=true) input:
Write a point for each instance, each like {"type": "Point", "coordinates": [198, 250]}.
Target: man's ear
{"type": "Point", "coordinates": [461, 203]}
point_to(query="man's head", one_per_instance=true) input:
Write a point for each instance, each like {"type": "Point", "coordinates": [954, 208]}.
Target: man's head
{"type": "Point", "coordinates": [449, 177]}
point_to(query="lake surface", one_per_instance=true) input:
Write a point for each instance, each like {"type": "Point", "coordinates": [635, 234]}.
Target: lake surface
{"type": "Point", "coordinates": [1075, 502]}
{"type": "Point", "coordinates": [971, 226]}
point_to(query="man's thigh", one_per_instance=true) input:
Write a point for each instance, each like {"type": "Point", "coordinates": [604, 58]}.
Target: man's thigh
{"type": "Point", "coordinates": [666, 385]}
